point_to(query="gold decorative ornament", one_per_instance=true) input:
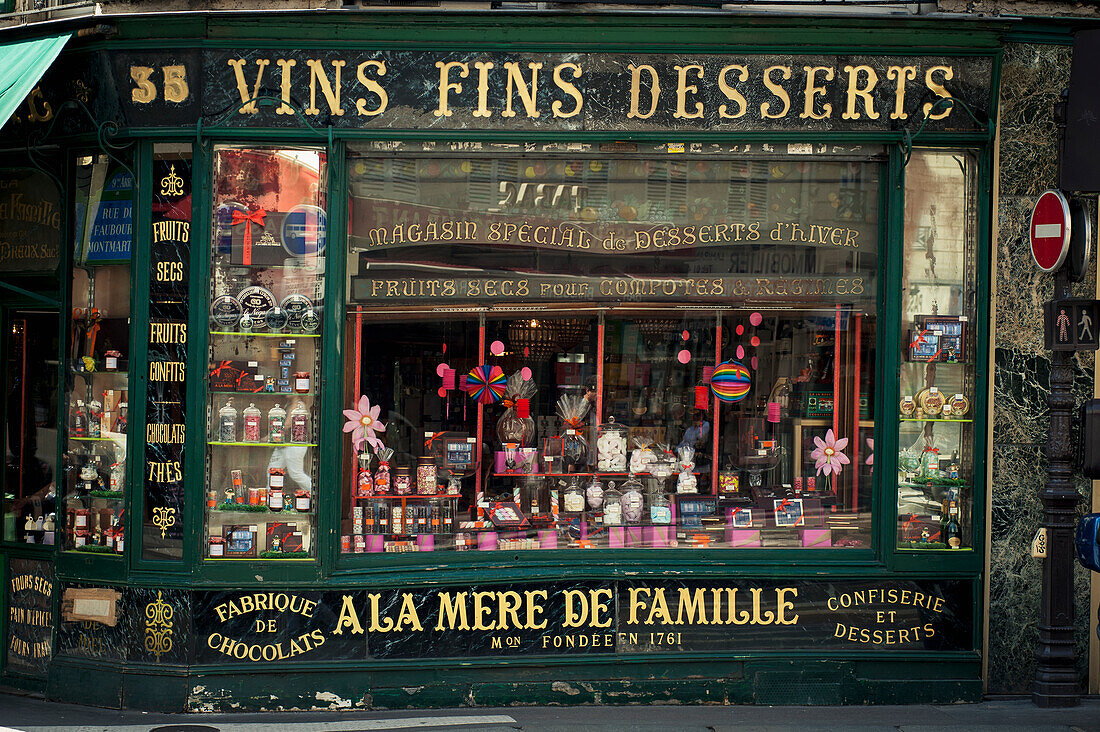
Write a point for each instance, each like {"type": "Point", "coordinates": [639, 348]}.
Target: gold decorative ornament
{"type": "Point", "coordinates": [163, 517]}
{"type": "Point", "coordinates": [171, 184]}
{"type": "Point", "coordinates": [158, 626]}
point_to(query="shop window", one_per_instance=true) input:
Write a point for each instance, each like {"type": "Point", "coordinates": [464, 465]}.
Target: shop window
{"type": "Point", "coordinates": [98, 357]}
{"type": "Point", "coordinates": [267, 294]}
{"type": "Point", "coordinates": [609, 350]}
{"type": "Point", "coordinates": [937, 377]}
{"type": "Point", "coordinates": [30, 426]}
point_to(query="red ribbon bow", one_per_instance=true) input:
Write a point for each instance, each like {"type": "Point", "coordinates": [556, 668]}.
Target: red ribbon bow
{"type": "Point", "coordinates": [240, 217]}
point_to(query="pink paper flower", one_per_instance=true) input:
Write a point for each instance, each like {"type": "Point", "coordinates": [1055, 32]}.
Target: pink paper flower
{"type": "Point", "coordinates": [827, 455]}
{"type": "Point", "coordinates": [363, 424]}
{"type": "Point", "coordinates": [871, 458]}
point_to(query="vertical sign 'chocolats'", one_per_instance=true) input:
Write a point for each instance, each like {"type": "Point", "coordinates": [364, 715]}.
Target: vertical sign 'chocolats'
{"type": "Point", "coordinates": [170, 253]}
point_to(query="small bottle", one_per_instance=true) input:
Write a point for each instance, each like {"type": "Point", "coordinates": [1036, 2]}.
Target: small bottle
{"type": "Point", "coordinates": [79, 420]}
{"type": "Point", "coordinates": [276, 424]}
{"type": "Point", "coordinates": [118, 476]}
{"type": "Point", "coordinates": [299, 424]}
{"type": "Point", "coordinates": [227, 423]}
{"type": "Point", "coordinates": [251, 424]}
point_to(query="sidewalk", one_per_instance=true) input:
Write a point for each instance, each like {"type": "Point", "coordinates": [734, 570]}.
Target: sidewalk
{"type": "Point", "coordinates": [35, 715]}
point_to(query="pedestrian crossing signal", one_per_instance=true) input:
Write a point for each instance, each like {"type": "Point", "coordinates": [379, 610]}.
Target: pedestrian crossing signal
{"type": "Point", "coordinates": [1072, 325]}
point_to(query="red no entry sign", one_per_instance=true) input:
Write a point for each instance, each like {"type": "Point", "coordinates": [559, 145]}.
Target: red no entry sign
{"type": "Point", "coordinates": [1049, 230]}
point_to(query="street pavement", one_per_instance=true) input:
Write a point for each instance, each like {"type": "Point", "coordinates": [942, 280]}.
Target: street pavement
{"type": "Point", "coordinates": [31, 714]}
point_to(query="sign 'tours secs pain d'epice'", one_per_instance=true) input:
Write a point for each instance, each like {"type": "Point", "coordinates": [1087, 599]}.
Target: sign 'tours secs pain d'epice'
{"type": "Point", "coordinates": [415, 89]}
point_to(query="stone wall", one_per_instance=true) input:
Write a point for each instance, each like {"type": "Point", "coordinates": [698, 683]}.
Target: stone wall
{"type": "Point", "coordinates": [1032, 81]}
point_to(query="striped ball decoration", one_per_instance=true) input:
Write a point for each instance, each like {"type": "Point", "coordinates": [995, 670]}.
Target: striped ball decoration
{"type": "Point", "coordinates": [485, 384]}
{"type": "Point", "coordinates": [730, 382]}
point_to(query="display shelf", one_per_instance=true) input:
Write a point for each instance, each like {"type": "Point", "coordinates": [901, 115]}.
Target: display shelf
{"type": "Point", "coordinates": [283, 394]}
{"type": "Point", "coordinates": [407, 495]}
{"type": "Point", "coordinates": [587, 475]}
{"type": "Point", "coordinates": [262, 444]}
{"type": "Point", "coordinates": [258, 334]}
{"type": "Point", "coordinates": [257, 510]}
{"type": "Point", "coordinates": [913, 419]}
{"type": "Point", "coordinates": [121, 435]}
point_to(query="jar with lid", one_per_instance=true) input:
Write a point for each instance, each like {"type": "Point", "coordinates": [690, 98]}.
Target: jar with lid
{"type": "Point", "coordinates": [612, 505]}
{"type": "Point", "coordinates": [594, 493]}
{"type": "Point", "coordinates": [299, 424]}
{"type": "Point", "coordinates": [427, 477]}
{"type": "Point", "coordinates": [402, 481]}
{"type": "Point", "coordinates": [301, 502]}
{"type": "Point", "coordinates": [573, 499]}
{"type": "Point", "coordinates": [251, 424]}
{"type": "Point", "coordinates": [611, 447]}
{"type": "Point", "coordinates": [216, 546]}
{"type": "Point", "coordinates": [276, 424]}
{"type": "Point", "coordinates": [660, 508]}
{"type": "Point", "coordinates": [276, 478]}
{"type": "Point", "coordinates": [633, 502]}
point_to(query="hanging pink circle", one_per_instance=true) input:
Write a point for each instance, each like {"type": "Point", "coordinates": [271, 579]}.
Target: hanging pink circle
{"type": "Point", "coordinates": [753, 362]}
{"type": "Point", "coordinates": [496, 348]}
{"type": "Point", "coordinates": [754, 341]}
{"type": "Point", "coordinates": [756, 319]}
{"type": "Point", "coordinates": [441, 392]}
{"type": "Point", "coordinates": [685, 335]}
{"type": "Point", "coordinates": [525, 373]}
{"type": "Point", "coordinates": [441, 369]}
{"type": "Point", "coordinates": [740, 330]}
{"type": "Point", "coordinates": [740, 351]}
{"type": "Point", "coordinates": [683, 356]}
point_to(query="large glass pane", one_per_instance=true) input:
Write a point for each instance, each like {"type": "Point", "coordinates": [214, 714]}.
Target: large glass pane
{"type": "Point", "coordinates": [266, 295]}
{"type": "Point", "coordinates": [30, 427]}
{"type": "Point", "coordinates": [98, 358]}
{"type": "Point", "coordinates": [608, 351]}
{"type": "Point", "coordinates": [936, 420]}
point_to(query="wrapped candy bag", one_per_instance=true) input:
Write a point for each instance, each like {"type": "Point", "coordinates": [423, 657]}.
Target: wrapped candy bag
{"type": "Point", "coordinates": [687, 482]}
{"type": "Point", "coordinates": [642, 457]}
{"type": "Point", "coordinates": [515, 425]}
{"type": "Point", "coordinates": [572, 409]}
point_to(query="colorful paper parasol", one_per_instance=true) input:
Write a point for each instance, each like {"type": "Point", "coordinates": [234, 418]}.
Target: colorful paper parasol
{"type": "Point", "coordinates": [730, 382]}
{"type": "Point", "coordinates": [486, 384]}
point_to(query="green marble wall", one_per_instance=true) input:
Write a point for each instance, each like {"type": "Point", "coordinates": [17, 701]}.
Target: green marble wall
{"type": "Point", "coordinates": [1032, 81]}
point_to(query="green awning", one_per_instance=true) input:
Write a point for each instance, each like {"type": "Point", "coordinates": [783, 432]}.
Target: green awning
{"type": "Point", "coordinates": [22, 64]}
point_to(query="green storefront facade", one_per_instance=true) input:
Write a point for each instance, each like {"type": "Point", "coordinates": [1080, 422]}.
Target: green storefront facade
{"type": "Point", "coordinates": [495, 289]}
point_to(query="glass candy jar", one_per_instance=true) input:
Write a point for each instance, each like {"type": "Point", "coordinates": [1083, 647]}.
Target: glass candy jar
{"type": "Point", "coordinates": [633, 502]}
{"type": "Point", "coordinates": [594, 493]}
{"type": "Point", "coordinates": [611, 447]}
{"type": "Point", "coordinates": [251, 424]}
{"type": "Point", "coordinates": [402, 481]}
{"type": "Point", "coordinates": [612, 505]}
{"type": "Point", "coordinates": [427, 476]}
{"type": "Point", "coordinates": [299, 424]}
{"type": "Point", "coordinates": [573, 500]}
{"type": "Point", "coordinates": [276, 424]}
{"type": "Point", "coordinates": [227, 423]}
{"type": "Point", "coordinates": [660, 509]}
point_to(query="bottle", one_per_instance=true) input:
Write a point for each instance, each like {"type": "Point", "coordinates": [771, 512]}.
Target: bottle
{"type": "Point", "coordinates": [954, 532]}
{"type": "Point", "coordinates": [251, 424]}
{"type": "Point", "coordinates": [79, 420]}
{"type": "Point", "coordinates": [276, 424]}
{"type": "Point", "coordinates": [299, 423]}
